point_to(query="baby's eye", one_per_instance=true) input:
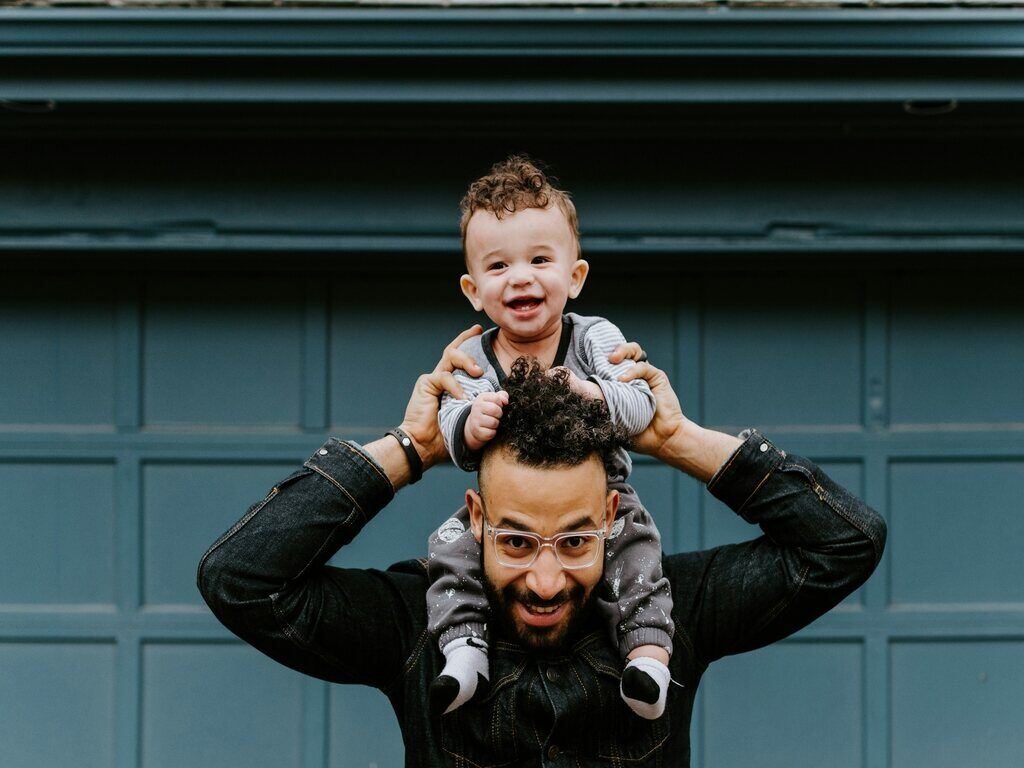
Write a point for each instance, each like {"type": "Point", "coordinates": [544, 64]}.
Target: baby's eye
{"type": "Point", "coordinates": [496, 265]}
{"type": "Point", "coordinates": [540, 259]}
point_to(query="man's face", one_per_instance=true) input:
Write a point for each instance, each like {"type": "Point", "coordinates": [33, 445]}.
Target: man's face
{"type": "Point", "coordinates": [522, 269]}
{"type": "Point", "coordinates": [545, 501]}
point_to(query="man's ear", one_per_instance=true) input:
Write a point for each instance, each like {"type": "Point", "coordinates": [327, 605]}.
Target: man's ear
{"type": "Point", "coordinates": [611, 507]}
{"type": "Point", "coordinates": [476, 513]}
{"type": "Point", "coordinates": [468, 286]}
{"type": "Point", "coordinates": [580, 270]}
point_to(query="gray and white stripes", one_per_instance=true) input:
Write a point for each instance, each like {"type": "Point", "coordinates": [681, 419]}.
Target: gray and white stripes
{"type": "Point", "coordinates": [631, 404]}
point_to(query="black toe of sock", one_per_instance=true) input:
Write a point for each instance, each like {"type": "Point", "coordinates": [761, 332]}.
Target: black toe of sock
{"type": "Point", "coordinates": [482, 684]}
{"type": "Point", "coordinates": [638, 685]}
{"type": "Point", "coordinates": [442, 693]}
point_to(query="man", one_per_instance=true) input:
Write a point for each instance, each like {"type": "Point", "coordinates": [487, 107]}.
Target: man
{"type": "Point", "coordinates": [553, 694]}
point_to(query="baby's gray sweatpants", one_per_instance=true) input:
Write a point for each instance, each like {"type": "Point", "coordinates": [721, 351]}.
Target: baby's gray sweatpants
{"type": "Point", "coordinates": [634, 595]}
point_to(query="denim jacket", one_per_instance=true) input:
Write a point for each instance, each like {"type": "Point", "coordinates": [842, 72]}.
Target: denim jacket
{"type": "Point", "coordinates": [267, 580]}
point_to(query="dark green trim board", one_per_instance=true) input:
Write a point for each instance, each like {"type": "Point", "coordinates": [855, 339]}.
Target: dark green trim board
{"type": "Point", "coordinates": [453, 56]}
{"type": "Point", "coordinates": [514, 32]}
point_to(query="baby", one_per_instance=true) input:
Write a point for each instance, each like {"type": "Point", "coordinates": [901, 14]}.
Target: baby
{"type": "Point", "coordinates": [521, 242]}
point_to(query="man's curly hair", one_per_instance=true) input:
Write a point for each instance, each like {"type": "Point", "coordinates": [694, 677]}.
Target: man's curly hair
{"type": "Point", "coordinates": [516, 183]}
{"type": "Point", "coordinates": [546, 424]}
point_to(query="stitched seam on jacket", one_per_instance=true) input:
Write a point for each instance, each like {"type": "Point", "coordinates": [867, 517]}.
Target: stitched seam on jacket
{"type": "Point", "coordinates": [784, 602]}
{"type": "Point", "coordinates": [835, 506]}
{"type": "Point", "coordinates": [338, 485]}
{"type": "Point", "coordinates": [370, 464]}
{"type": "Point", "coordinates": [721, 472]}
{"type": "Point", "coordinates": [238, 526]}
{"type": "Point", "coordinates": [747, 500]}
{"type": "Point", "coordinates": [411, 660]}
{"type": "Point", "coordinates": [292, 635]}
{"type": "Point", "coordinates": [851, 519]}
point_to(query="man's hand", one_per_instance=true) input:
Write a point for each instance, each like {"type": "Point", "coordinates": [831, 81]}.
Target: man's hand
{"type": "Point", "coordinates": [484, 416]}
{"type": "Point", "coordinates": [669, 422]}
{"type": "Point", "coordinates": [420, 420]}
{"type": "Point", "coordinates": [674, 439]}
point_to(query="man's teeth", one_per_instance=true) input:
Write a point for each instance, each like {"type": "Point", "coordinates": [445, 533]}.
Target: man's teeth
{"type": "Point", "coordinates": [551, 609]}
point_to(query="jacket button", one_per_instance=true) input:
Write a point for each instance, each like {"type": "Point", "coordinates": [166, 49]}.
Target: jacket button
{"type": "Point", "coordinates": [764, 447]}
{"type": "Point", "coordinates": [551, 675]}
{"type": "Point", "coordinates": [553, 751]}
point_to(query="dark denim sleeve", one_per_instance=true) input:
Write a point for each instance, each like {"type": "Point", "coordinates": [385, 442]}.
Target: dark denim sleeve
{"type": "Point", "coordinates": [820, 543]}
{"type": "Point", "coordinates": [266, 580]}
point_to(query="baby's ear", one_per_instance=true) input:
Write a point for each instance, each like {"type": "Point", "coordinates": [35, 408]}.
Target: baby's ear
{"type": "Point", "coordinates": [580, 270]}
{"type": "Point", "coordinates": [468, 286]}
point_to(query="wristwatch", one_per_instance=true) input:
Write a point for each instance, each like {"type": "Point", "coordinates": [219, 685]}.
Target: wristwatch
{"type": "Point", "coordinates": [415, 462]}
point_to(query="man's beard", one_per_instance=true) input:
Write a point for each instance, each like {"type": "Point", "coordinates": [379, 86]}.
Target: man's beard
{"type": "Point", "coordinates": [541, 639]}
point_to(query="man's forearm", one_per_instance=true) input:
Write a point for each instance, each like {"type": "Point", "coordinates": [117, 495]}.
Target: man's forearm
{"type": "Point", "coordinates": [300, 524]}
{"type": "Point", "coordinates": [699, 452]}
{"type": "Point", "coordinates": [392, 460]}
{"type": "Point", "coordinates": [267, 579]}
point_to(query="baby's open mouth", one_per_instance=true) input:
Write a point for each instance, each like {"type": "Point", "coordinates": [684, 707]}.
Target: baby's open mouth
{"type": "Point", "coordinates": [523, 305]}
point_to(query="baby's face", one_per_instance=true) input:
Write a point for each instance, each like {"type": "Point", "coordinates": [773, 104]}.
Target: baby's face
{"type": "Point", "coordinates": [522, 269]}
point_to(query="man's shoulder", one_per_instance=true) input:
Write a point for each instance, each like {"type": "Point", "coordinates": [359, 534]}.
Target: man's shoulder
{"type": "Point", "coordinates": [414, 567]}
{"type": "Point", "coordinates": [687, 573]}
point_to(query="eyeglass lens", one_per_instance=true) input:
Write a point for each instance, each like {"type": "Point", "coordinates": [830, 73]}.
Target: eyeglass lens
{"type": "Point", "coordinates": [518, 549]}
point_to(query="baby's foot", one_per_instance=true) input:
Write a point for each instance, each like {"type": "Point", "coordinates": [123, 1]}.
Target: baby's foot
{"type": "Point", "coordinates": [465, 664]}
{"type": "Point", "coordinates": [644, 686]}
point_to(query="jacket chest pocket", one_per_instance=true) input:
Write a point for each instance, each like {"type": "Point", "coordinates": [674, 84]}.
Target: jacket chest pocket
{"type": "Point", "coordinates": [483, 734]}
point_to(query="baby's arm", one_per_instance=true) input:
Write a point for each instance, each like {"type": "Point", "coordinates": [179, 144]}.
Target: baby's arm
{"type": "Point", "coordinates": [454, 415]}
{"type": "Point", "coordinates": [631, 404]}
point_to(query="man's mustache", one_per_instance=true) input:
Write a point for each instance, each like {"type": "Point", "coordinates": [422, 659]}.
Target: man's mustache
{"type": "Point", "coordinates": [531, 600]}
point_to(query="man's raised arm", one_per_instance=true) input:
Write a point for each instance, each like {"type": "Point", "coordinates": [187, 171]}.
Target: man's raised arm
{"type": "Point", "coordinates": [266, 578]}
{"type": "Point", "coordinates": [820, 541]}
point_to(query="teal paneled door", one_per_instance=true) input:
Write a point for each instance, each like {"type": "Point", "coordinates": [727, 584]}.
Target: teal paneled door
{"type": "Point", "coordinates": [140, 414]}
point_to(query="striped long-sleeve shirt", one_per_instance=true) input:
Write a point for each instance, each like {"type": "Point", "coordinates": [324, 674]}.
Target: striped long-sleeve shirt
{"type": "Point", "coordinates": [584, 348]}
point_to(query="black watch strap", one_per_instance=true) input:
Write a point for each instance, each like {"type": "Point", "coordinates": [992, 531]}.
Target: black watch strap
{"type": "Point", "coordinates": [415, 462]}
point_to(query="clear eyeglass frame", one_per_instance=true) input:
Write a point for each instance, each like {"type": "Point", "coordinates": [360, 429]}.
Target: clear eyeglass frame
{"type": "Point", "coordinates": [542, 541]}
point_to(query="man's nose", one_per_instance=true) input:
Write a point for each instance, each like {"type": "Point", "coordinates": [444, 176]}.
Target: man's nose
{"type": "Point", "coordinates": [546, 577]}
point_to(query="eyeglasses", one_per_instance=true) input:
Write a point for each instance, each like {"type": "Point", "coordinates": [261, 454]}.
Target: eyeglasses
{"type": "Point", "coordinates": [519, 549]}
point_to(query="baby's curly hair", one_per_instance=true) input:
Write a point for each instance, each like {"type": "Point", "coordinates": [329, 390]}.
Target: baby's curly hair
{"type": "Point", "coordinates": [546, 424]}
{"type": "Point", "coordinates": [516, 183]}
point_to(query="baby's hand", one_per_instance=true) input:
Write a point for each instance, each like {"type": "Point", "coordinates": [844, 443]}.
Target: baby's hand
{"type": "Point", "coordinates": [580, 386]}
{"type": "Point", "coordinates": [484, 415]}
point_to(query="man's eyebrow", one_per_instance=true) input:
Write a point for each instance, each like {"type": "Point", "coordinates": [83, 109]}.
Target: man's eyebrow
{"type": "Point", "coordinates": [513, 524]}
{"type": "Point", "coordinates": [583, 523]}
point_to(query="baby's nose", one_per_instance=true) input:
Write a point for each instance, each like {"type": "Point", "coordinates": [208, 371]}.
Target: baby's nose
{"type": "Point", "coordinates": [520, 276]}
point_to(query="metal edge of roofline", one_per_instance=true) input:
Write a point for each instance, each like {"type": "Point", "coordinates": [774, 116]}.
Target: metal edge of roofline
{"type": "Point", "coordinates": [236, 246]}
{"type": "Point", "coordinates": [711, 31]}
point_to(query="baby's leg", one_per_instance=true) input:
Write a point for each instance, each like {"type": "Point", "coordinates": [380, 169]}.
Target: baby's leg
{"type": "Point", "coordinates": [641, 606]}
{"type": "Point", "coordinates": [456, 612]}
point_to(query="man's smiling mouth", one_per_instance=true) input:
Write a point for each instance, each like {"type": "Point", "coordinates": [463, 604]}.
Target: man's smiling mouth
{"type": "Point", "coordinates": [537, 616]}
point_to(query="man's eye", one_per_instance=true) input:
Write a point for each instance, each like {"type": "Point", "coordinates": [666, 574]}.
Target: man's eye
{"type": "Point", "coordinates": [518, 542]}
{"type": "Point", "coordinates": [572, 542]}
